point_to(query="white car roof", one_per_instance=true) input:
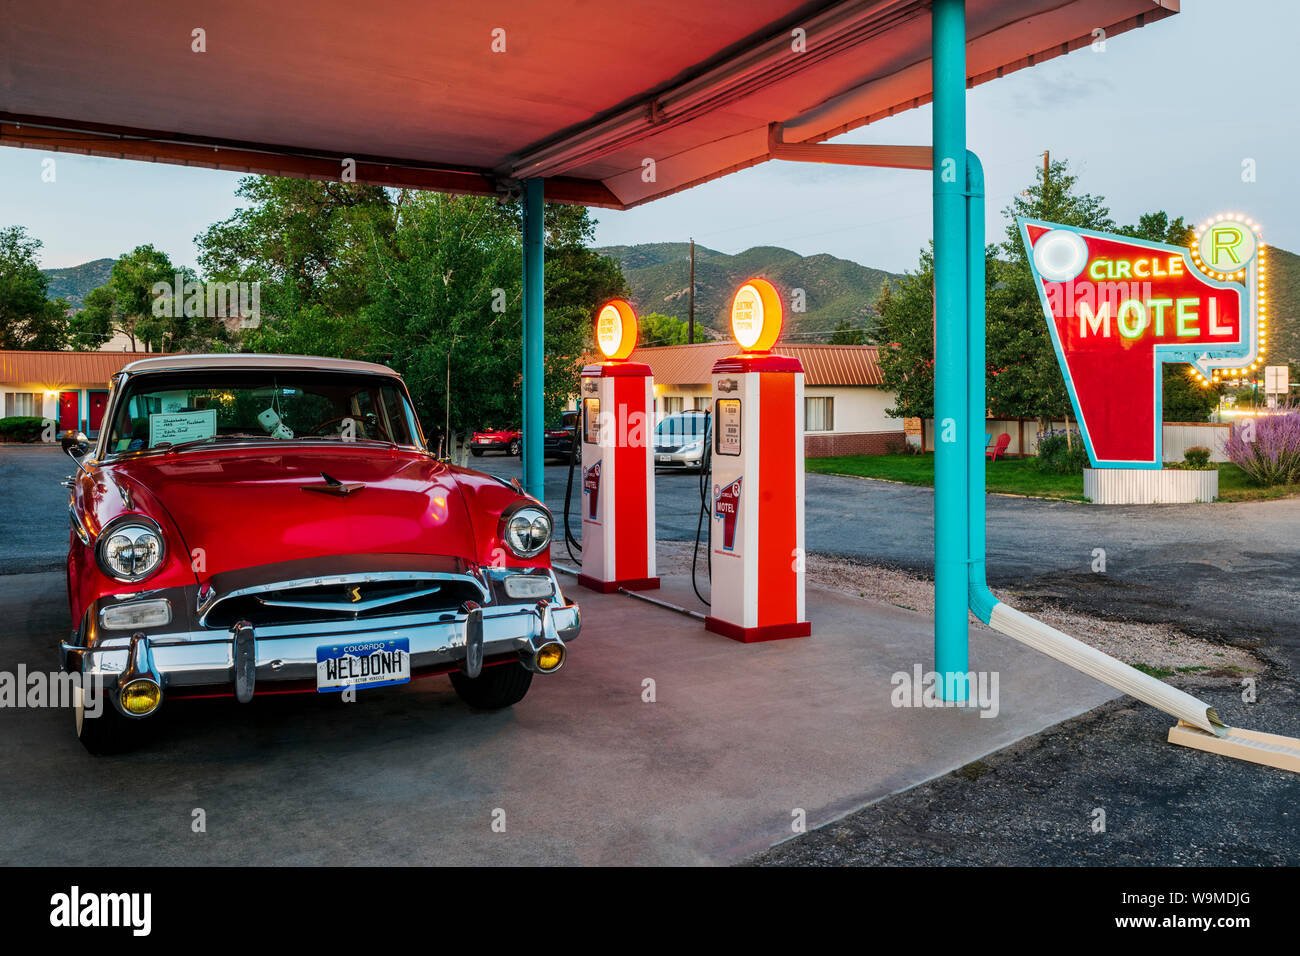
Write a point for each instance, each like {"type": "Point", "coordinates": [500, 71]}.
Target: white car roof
{"type": "Point", "coordinates": [248, 360]}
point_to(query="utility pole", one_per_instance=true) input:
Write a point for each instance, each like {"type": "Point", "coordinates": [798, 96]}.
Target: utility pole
{"type": "Point", "coordinates": [690, 329]}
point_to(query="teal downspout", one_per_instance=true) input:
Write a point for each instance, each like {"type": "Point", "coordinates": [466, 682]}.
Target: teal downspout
{"type": "Point", "coordinates": [981, 598]}
{"type": "Point", "coordinates": [951, 426]}
{"type": "Point", "coordinates": [534, 373]}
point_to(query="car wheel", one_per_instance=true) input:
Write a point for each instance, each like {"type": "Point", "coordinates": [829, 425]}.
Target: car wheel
{"type": "Point", "coordinates": [110, 732]}
{"type": "Point", "coordinates": [476, 452]}
{"type": "Point", "coordinates": [495, 688]}
{"type": "Point", "coordinates": [514, 447]}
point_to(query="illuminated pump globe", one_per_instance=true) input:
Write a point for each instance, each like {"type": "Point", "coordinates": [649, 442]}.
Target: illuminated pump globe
{"type": "Point", "coordinates": [756, 316]}
{"type": "Point", "coordinates": [616, 330]}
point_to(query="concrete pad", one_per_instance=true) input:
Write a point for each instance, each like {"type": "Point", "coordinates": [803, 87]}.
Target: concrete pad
{"type": "Point", "coordinates": [586, 771]}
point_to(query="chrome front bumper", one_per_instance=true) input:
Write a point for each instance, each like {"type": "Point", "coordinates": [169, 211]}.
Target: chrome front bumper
{"type": "Point", "coordinates": [269, 657]}
{"type": "Point", "coordinates": [289, 653]}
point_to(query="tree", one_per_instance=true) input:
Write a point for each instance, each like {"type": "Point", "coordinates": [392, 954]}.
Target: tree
{"type": "Point", "coordinates": [578, 282]}
{"type": "Point", "coordinates": [1024, 377]}
{"type": "Point", "coordinates": [130, 309]}
{"type": "Point", "coordinates": [444, 309]}
{"type": "Point", "coordinates": [1184, 400]}
{"type": "Point", "coordinates": [1157, 227]}
{"type": "Point", "coordinates": [425, 282]}
{"type": "Point", "coordinates": [845, 334]}
{"type": "Point", "coordinates": [94, 324]}
{"type": "Point", "coordinates": [658, 329]}
{"type": "Point", "coordinates": [312, 248]}
{"type": "Point", "coordinates": [906, 332]}
{"type": "Point", "coordinates": [28, 320]}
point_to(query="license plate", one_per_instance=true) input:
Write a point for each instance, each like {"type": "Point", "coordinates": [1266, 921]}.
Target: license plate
{"type": "Point", "coordinates": [664, 459]}
{"type": "Point", "coordinates": [363, 664]}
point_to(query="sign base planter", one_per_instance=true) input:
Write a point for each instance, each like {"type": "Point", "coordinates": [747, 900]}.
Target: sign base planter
{"type": "Point", "coordinates": [1149, 486]}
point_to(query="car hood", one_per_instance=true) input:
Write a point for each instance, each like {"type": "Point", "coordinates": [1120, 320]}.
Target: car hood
{"type": "Point", "coordinates": [242, 509]}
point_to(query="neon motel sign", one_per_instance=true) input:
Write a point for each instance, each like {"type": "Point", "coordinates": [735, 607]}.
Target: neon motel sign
{"type": "Point", "coordinates": [1118, 308]}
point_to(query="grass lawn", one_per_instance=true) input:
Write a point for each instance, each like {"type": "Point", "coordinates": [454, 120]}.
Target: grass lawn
{"type": "Point", "coordinates": [1017, 476]}
{"type": "Point", "coordinates": [1235, 486]}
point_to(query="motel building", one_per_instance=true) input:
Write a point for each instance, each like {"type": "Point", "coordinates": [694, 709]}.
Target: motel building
{"type": "Point", "coordinates": [844, 399]}
{"type": "Point", "coordinates": [69, 388]}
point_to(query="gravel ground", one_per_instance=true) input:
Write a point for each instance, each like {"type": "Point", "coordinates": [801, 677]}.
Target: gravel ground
{"type": "Point", "coordinates": [1036, 802]}
{"type": "Point", "coordinates": [1156, 647]}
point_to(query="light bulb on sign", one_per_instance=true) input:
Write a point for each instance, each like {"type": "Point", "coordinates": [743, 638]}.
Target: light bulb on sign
{"type": "Point", "coordinates": [616, 330]}
{"type": "Point", "coordinates": [756, 316]}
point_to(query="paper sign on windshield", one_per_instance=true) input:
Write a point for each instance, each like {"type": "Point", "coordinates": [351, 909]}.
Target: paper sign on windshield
{"type": "Point", "coordinates": [176, 427]}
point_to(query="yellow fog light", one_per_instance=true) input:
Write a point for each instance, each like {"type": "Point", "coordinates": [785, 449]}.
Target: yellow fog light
{"type": "Point", "coordinates": [141, 697]}
{"type": "Point", "coordinates": [549, 657]}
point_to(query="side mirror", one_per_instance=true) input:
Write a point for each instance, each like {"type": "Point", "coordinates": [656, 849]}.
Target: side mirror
{"type": "Point", "coordinates": [75, 444]}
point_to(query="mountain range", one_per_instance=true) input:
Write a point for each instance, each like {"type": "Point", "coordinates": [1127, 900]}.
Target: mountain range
{"type": "Point", "coordinates": [834, 290]}
{"type": "Point", "coordinates": [74, 282]}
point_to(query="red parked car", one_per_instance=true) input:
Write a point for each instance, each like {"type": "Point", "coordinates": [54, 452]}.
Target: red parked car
{"type": "Point", "coordinates": [508, 440]}
{"type": "Point", "coordinates": [250, 524]}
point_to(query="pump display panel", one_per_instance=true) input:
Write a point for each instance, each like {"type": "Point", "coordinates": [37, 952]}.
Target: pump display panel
{"type": "Point", "coordinates": [591, 421]}
{"type": "Point", "coordinates": [726, 429]}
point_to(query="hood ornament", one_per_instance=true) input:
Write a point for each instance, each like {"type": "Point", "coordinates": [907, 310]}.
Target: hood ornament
{"type": "Point", "coordinates": [333, 486]}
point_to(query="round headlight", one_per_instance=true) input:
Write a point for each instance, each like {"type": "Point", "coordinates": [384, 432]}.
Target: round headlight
{"type": "Point", "coordinates": [527, 530]}
{"type": "Point", "coordinates": [131, 551]}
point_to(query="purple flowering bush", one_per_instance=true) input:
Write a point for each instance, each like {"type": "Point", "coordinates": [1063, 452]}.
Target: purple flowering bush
{"type": "Point", "coordinates": [1267, 448]}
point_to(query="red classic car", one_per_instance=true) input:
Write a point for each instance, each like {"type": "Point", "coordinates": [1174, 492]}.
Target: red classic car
{"type": "Point", "coordinates": [508, 440]}
{"type": "Point", "coordinates": [250, 524]}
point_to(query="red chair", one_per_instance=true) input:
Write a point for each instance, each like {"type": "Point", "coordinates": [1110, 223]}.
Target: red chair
{"type": "Point", "coordinates": [999, 449]}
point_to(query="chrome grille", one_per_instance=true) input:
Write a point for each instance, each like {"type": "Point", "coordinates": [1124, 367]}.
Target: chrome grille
{"type": "Point", "coordinates": [341, 598]}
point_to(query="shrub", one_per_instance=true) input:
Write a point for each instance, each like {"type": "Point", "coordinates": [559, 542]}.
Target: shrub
{"type": "Point", "coordinates": [21, 428]}
{"type": "Point", "coordinates": [1267, 448]}
{"type": "Point", "coordinates": [1197, 457]}
{"type": "Point", "coordinates": [1061, 452]}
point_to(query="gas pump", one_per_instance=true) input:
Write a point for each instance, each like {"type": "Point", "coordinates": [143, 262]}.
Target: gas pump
{"type": "Point", "coordinates": [618, 489]}
{"type": "Point", "coordinates": [756, 508]}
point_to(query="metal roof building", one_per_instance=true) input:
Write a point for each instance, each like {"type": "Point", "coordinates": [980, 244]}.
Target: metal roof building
{"type": "Point", "coordinates": [68, 388]}
{"type": "Point", "coordinates": [846, 411]}
{"type": "Point", "coordinates": [822, 364]}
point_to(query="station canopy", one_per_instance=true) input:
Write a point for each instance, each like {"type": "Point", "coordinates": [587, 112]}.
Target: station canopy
{"type": "Point", "coordinates": [472, 96]}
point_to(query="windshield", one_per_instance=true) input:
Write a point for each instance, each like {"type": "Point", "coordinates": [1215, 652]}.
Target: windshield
{"type": "Point", "coordinates": [682, 426]}
{"type": "Point", "coordinates": [165, 409]}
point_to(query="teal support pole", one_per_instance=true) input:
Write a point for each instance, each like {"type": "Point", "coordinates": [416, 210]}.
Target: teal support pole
{"type": "Point", "coordinates": [981, 599]}
{"type": "Point", "coordinates": [534, 325]}
{"type": "Point", "coordinates": [951, 425]}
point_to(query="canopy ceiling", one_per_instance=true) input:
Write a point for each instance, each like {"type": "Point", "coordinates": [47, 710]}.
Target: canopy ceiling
{"type": "Point", "coordinates": [585, 92]}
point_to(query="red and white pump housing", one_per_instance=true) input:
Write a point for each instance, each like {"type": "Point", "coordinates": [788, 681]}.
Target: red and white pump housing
{"type": "Point", "coordinates": [757, 488]}
{"type": "Point", "coordinates": [616, 428]}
